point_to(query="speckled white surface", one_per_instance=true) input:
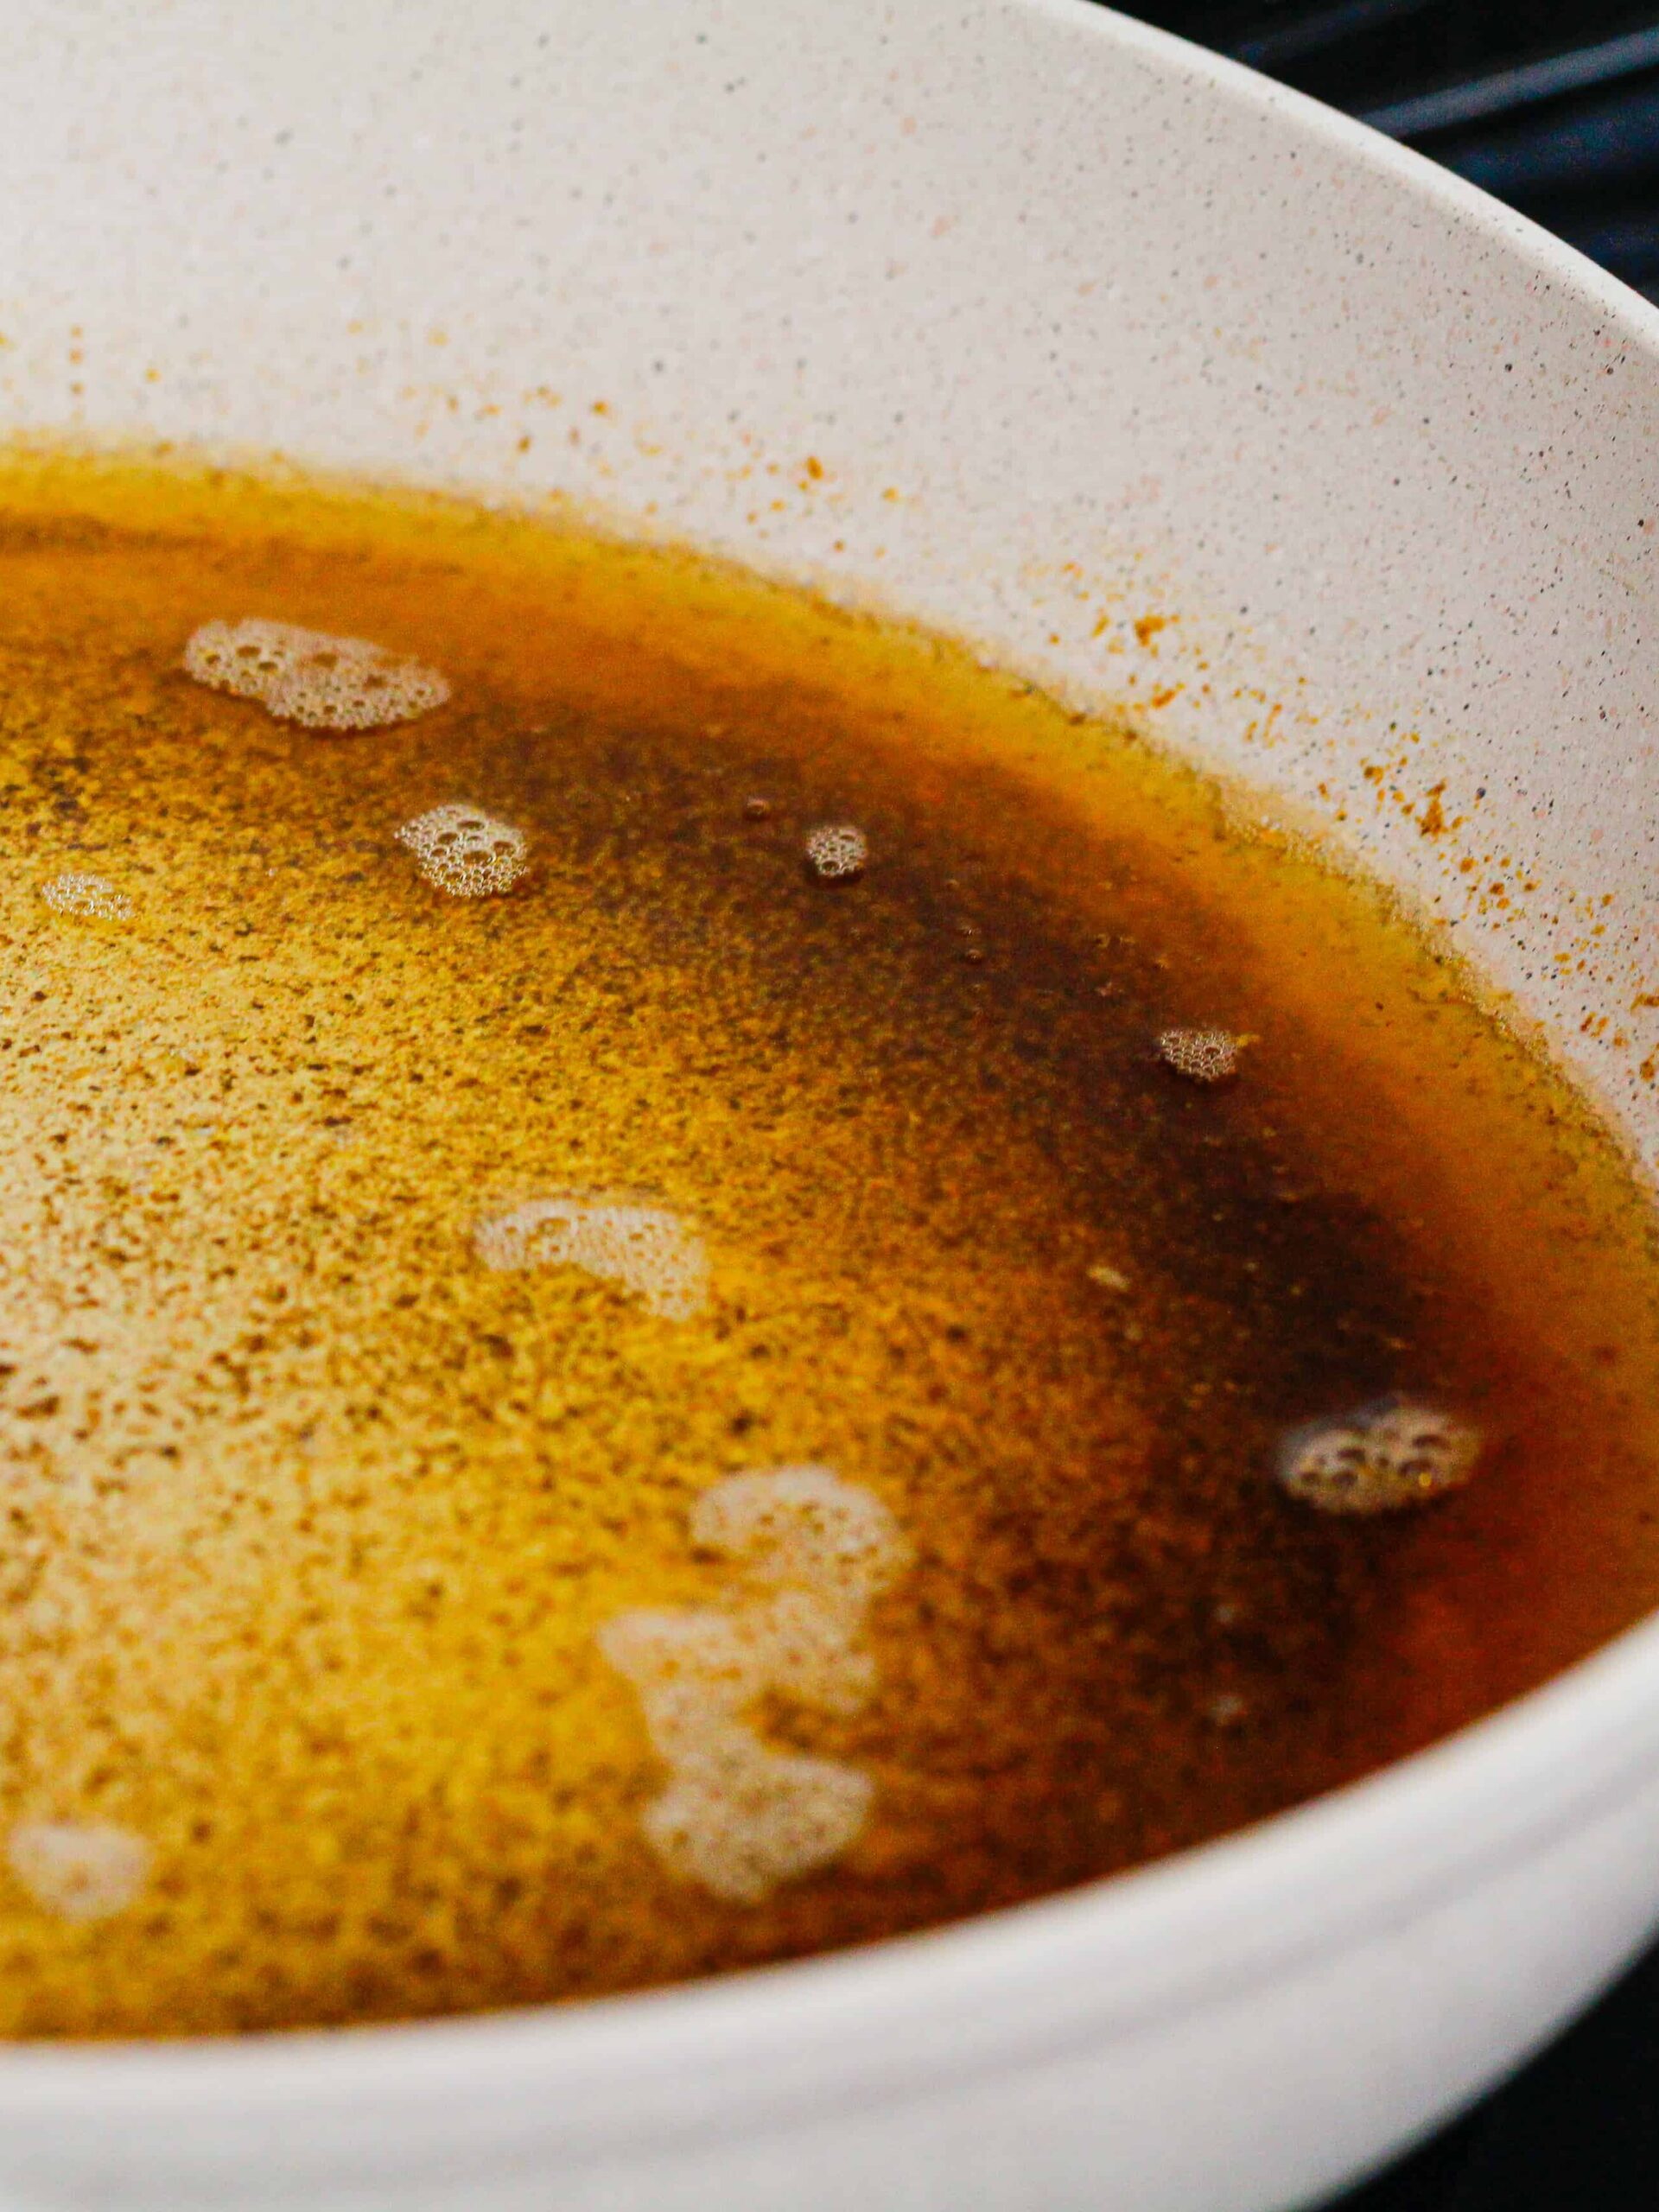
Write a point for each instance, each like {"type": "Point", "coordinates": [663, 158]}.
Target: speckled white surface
{"type": "Point", "coordinates": [1077, 326]}
{"type": "Point", "coordinates": [1069, 335]}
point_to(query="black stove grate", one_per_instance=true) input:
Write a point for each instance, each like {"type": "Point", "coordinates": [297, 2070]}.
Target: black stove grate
{"type": "Point", "coordinates": [1553, 107]}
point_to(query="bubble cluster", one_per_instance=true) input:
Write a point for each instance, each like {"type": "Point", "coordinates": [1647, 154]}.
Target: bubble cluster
{"type": "Point", "coordinates": [309, 678]}
{"type": "Point", "coordinates": [801, 1527]}
{"type": "Point", "coordinates": [743, 1819]}
{"type": "Point", "coordinates": [837, 851]}
{"type": "Point", "coordinates": [1385, 1455]}
{"type": "Point", "coordinates": [80, 1871]}
{"type": "Point", "coordinates": [465, 851]}
{"type": "Point", "coordinates": [810, 1552]}
{"type": "Point", "coordinates": [86, 898]}
{"type": "Point", "coordinates": [649, 1250]}
{"type": "Point", "coordinates": [1201, 1055]}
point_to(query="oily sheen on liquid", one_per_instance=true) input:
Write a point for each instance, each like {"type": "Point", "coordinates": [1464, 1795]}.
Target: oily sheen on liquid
{"type": "Point", "coordinates": [682, 1280]}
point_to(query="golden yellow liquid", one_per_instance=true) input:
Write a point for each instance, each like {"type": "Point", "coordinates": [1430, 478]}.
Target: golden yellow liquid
{"type": "Point", "coordinates": [311, 1521]}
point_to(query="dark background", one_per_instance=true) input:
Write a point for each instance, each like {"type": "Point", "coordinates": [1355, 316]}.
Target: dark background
{"type": "Point", "coordinates": [1554, 105]}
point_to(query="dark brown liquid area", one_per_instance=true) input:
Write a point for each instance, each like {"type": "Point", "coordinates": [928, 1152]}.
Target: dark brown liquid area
{"type": "Point", "coordinates": [312, 1520]}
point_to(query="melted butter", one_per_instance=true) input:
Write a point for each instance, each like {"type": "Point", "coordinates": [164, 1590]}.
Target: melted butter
{"type": "Point", "coordinates": [319, 1514]}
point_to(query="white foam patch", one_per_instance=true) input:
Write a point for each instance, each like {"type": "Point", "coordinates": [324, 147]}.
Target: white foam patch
{"type": "Point", "coordinates": [743, 1829]}
{"type": "Point", "coordinates": [79, 1871]}
{"type": "Point", "coordinates": [309, 678]}
{"type": "Point", "coordinates": [86, 898]}
{"type": "Point", "coordinates": [465, 851]}
{"type": "Point", "coordinates": [802, 1526]}
{"type": "Point", "coordinates": [811, 1551]}
{"type": "Point", "coordinates": [1378, 1458]}
{"type": "Point", "coordinates": [1201, 1055]}
{"type": "Point", "coordinates": [837, 850]}
{"type": "Point", "coordinates": [649, 1250]}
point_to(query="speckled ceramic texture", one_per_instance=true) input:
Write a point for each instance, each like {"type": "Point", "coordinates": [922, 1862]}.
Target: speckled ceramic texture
{"type": "Point", "coordinates": [1075, 326]}
{"type": "Point", "coordinates": [1072, 331]}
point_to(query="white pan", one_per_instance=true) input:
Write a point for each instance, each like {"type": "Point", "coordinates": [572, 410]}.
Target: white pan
{"type": "Point", "coordinates": [1122, 328]}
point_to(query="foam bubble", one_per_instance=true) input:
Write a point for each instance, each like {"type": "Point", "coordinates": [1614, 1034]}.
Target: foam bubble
{"type": "Point", "coordinates": [1385, 1455]}
{"type": "Point", "coordinates": [694, 1668]}
{"type": "Point", "coordinates": [737, 1815]}
{"type": "Point", "coordinates": [310, 678]}
{"type": "Point", "coordinates": [837, 851]}
{"type": "Point", "coordinates": [744, 1828]}
{"type": "Point", "coordinates": [86, 898]}
{"type": "Point", "coordinates": [803, 1525]}
{"type": "Point", "coordinates": [807, 1639]}
{"type": "Point", "coordinates": [650, 1250]}
{"type": "Point", "coordinates": [465, 851]}
{"type": "Point", "coordinates": [1201, 1055]}
{"type": "Point", "coordinates": [80, 1871]}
